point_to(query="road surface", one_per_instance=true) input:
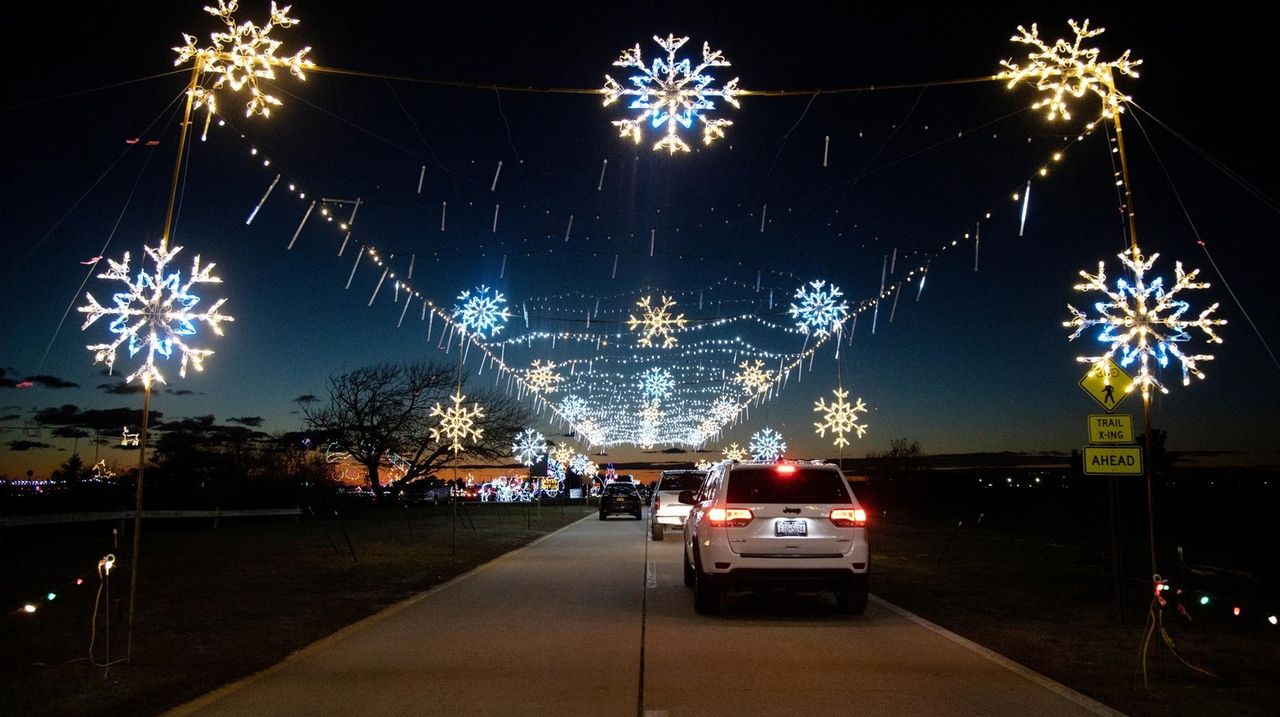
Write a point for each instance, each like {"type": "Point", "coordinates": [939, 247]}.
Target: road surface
{"type": "Point", "coordinates": [594, 620]}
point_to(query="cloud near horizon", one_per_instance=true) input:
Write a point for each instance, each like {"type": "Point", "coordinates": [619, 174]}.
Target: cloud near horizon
{"type": "Point", "coordinates": [24, 445]}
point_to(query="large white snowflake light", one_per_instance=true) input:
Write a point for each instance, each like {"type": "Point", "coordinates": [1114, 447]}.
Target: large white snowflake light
{"type": "Point", "coordinates": [241, 56]}
{"type": "Point", "coordinates": [655, 322]}
{"type": "Point", "coordinates": [155, 314]}
{"type": "Point", "coordinates": [1143, 322]}
{"type": "Point", "coordinates": [672, 93]}
{"type": "Point", "coordinates": [542, 377]}
{"type": "Point", "coordinates": [753, 377]}
{"type": "Point", "coordinates": [583, 465]}
{"type": "Point", "coordinates": [573, 407]}
{"type": "Point", "coordinates": [656, 383]}
{"type": "Point", "coordinates": [735, 453]}
{"type": "Point", "coordinates": [457, 423]}
{"type": "Point", "coordinates": [767, 445]}
{"type": "Point", "coordinates": [723, 409]}
{"type": "Point", "coordinates": [529, 446]}
{"type": "Point", "coordinates": [821, 310]}
{"type": "Point", "coordinates": [1065, 70]}
{"type": "Point", "coordinates": [481, 313]}
{"type": "Point", "coordinates": [840, 417]}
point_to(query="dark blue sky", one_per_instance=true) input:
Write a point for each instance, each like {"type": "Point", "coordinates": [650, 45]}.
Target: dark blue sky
{"type": "Point", "coordinates": [979, 362]}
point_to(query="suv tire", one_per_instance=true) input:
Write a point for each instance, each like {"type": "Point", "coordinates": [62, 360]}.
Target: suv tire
{"type": "Point", "coordinates": [656, 531]}
{"type": "Point", "coordinates": [689, 576]}
{"type": "Point", "coordinates": [706, 594]}
{"type": "Point", "coordinates": [602, 515]}
{"type": "Point", "coordinates": [853, 599]}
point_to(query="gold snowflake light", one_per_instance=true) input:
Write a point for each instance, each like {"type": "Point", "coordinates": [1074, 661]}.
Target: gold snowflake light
{"type": "Point", "coordinates": [703, 465]}
{"type": "Point", "coordinates": [655, 322]}
{"type": "Point", "coordinates": [840, 417]}
{"type": "Point", "coordinates": [241, 56]}
{"type": "Point", "coordinates": [561, 453]}
{"type": "Point", "coordinates": [457, 423]}
{"type": "Point", "coordinates": [542, 378]}
{"type": "Point", "coordinates": [735, 452]}
{"type": "Point", "coordinates": [753, 377]}
{"type": "Point", "coordinates": [1066, 70]}
{"type": "Point", "coordinates": [1144, 322]}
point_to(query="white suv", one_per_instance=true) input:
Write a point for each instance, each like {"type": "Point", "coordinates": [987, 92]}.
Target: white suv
{"type": "Point", "coordinates": [786, 524]}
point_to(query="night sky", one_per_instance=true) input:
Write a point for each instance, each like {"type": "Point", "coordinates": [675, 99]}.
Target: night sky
{"type": "Point", "coordinates": [977, 361]}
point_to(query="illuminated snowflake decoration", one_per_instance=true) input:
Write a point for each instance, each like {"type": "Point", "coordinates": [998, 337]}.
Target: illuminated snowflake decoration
{"type": "Point", "coordinates": [647, 436]}
{"type": "Point", "coordinates": [671, 92]}
{"type": "Point", "coordinates": [241, 56]}
{"type": "Point", "coordinates": [708, 427]}
{"type": "Point", "coordinates": [655, 322]}
{"type": "Point", "coordinates": [529, 446]}
{"type": "Point", "coordinates": [723, 409]}
{"type": "Point", "coordinates": [582, 465]}
{"type": "Point", "coordinates": [840, 417]}
{"type": "Point", "coordinates": [542, 377]}
{"type": "Point", "coordinates": [457, 423]}
{"type": "Point", "coordinates": [753, 377]}
{"type": "Point", "coordinates": [1143, 322]}
{"type": "Point", "coordinates": [703, 465]}
{"type": "Point", "coordinates": [155, 315]}
{"type": "Point", "coordinates": [656, 384]}
{"type": "Point", "coordinates": [735, 453]}
{"type": "Point", "coordinates": [573, 407]}
{"type": "Point", "coordinates": [652, 413]}
{"type": "Point", "coordinates": [767, 445]}
{"type": "Point", "coordinates": [820, 310]}
{"type": "Point", "coordinates": [1064, 70]}
{"type": "Point", "coordinates": [561, 453]}
{"type": "Point", "coordinates": [591, 430]}
{"type": "Point", "coordinates": [481, 313]}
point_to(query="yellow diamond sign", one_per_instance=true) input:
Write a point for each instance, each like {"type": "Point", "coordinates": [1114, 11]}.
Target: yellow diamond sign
{"type": "Point", "coordinates": [1107, 384]}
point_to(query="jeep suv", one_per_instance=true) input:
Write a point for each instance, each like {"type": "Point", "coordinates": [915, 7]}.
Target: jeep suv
{"type": "Point", "coordinates": [763, 525]}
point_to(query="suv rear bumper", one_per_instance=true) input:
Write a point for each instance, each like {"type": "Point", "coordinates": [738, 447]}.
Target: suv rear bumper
{"type": "Point", "coordinates": [835, 579]}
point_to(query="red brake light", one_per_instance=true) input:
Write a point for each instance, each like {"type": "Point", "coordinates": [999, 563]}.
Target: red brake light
{"type": "Point", "coordinates": [657, 500]}
{"type": "Point", "coordinates": [785, 469]}
{"type": "Point", "coordinates": [849, 517]}
{"type": "Point", "coordinates": [729, 517]}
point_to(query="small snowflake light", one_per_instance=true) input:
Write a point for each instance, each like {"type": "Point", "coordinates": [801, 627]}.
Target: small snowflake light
{"type": "Point", "coordinates": [655, 322]}
{"type": "Point", "coordinates": [647, 436]}
{"type": "Point", "coordinates": [1065, 70]}
{"type": "Point", "coordinates": [672, 92]}
{"type": "Point", "coordinates": [457, 423]}
{"type": "Point", "coordinates": [703, 465]}
{"type": "Point", "coordinates": [723, 409]}
{"type": "Point", "coordinates": [652, 413]}
{"type": "Point", "coordinates": [735, 453]}
{"type": "Point", "coordinates": [708, 427]}
{"type": "Point", "coordinates": [753, 377]}
{"type": "Point", "coordinates": [840, 417]}
{"type": "Point", "coordinates": [573, 407]}
{"type": "Point", "coordinates": [561, 453]}
{"type": "Point", "coordinates": [591, 430]}
{"type": "Point", "coordinates": [767, 445]}
{"type": "Point", "coordinates": [1143, 321]}
{"type": "Point", "coordinates": [482, 313]}
{"type": "Point", "coordinates": [529, 446]}
{"type": "Point", "coordinates": [542, 377]}
{"type": "Point", "coordinates": [241, 56]}
{"type": "Point", "coordinates": [821, 310]}
{"type": "Point", "coordinates": [155, 315]}
{"type": "Point", "coordinates": [656, 383]}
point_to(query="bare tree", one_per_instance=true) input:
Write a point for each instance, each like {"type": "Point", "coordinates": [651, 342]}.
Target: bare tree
{"type": "Point", "coordinates": [379, 411]}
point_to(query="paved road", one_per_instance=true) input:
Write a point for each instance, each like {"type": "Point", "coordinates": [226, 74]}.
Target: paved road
{"type": "Point", "coordinates": [557, 629]}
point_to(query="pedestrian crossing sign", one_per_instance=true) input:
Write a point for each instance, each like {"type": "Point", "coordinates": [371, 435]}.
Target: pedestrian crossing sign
{"type": "Point", "coordinates": [1108, 384]}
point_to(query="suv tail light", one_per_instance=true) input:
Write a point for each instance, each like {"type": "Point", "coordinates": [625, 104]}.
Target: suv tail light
{"type": "Point", "coordinates": [849, 517]}
{"type": "Point", "coordinates": [729, 517]}
{"type": "Point", "coordinates": [657, 500]}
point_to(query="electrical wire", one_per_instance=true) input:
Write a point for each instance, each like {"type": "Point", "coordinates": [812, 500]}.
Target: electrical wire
{"type": "Point", "coordinates": [77, 93]}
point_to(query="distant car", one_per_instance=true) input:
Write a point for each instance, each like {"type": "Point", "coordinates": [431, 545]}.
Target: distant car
{"type": "Point", "coordinates": [785, 524]}
{"type": "Point", "coordinates": [619, 498]}
{"type": "Point", "coordinates": [666, 510]}
{"type": "Point", "coordinates": [425, 492]}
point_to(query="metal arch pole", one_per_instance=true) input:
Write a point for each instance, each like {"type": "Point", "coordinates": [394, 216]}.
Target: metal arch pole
{"type": "Point", "coordinates": [137, 518]}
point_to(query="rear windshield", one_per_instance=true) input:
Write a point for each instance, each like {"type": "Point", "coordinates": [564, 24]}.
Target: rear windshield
{"type": "Point", "coordinates": [620, 489]}
{"type": "Point", "coordinates": [682, 481]}
{"type": "Point", "coordinates": [767, 485]}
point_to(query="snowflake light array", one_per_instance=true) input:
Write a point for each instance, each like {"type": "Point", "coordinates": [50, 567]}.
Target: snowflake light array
{"type": "Point", "coordinates": [1065, 70]}
{"type": "Point", "coordinates": [767, 445]}
{"type": "Point", "coordinates": [656, 383]}
{"type": "Point", "coordinates": [819, 311]}
{"type": "Point", "coordinates": [481, 313]}
{"type": "Point", "coordinates": [457, 423]}
{"type": "Point", "coordinates": [840, 417]}
{"type": "Point", "coordinates": [735, 453]}
{"type": "Point", "coordinates": [241, 56]}
{"type": "Point", "coordinates": [655, 322]}
{"type": "Point", "coordinates": [529, 446]}
{"type": "Point", "coordinates": [542, 377]}
{"type": "Point", "coordinates": [1143, 322]}
{"type": "Point", "coordinates": [671, 92]}
{"type": "Point", "coordinates": [753, 377]}
{"type": "Point", "coordinates": [155, 315]}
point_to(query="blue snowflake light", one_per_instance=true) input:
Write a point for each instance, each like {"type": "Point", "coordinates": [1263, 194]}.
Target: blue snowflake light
{"type": "Point", "coordinates": [821, 310]}
{"type": "Point", "coordinates": [155, 314]}
{"type": "Point", "coordinates": [656, 384]}
{"type": "Point", "coordinates": [671, 92]}
{"type": "Point", "coordinates": [481, 313]}
{"type": "Point", "coordinates": [573, 407]}
{"type": "Point", "coordinates": [767, 445]}
{"type": "Point", "coordinates": [529, 446]}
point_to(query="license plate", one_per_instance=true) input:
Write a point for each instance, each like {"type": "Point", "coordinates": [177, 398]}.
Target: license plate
{"type": "Point", "coordinates": [619, 500]}
{"type": "Point", "coordinates": [791, 527]}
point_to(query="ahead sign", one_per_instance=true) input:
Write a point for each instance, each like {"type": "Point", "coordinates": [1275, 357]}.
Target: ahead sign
{"type": "Point", "coordinates": [1112, 460]}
